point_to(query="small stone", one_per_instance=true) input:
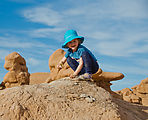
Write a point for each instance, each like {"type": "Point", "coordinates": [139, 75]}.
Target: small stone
{"type": "Point", "coordinates": [90, 99]}
{"type": "Point", "coordinates": [83, 96]}
{"type": "Point", "coordinates": [75, 83]}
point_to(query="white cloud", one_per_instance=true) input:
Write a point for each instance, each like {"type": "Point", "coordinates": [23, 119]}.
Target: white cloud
{"type": "Point", "coordinates": [44, 15]}
{"type": "Point", "coordinates": [87, 15]}
{"type": "Point", "coordinates": [100, 35]}
{"type": "Point", "coordinates": [123, 44]}
{"type": "Point", "coordinates": [16, 42]}
{"type": "Point", "coordinates": [113, 9]}
{"type": "Point", "coordinates": [88, 19]}
{"type": "Point", "coordinates": [27, 47]}
{"type": "Point", "coordinates": [126, 9]}
{"type": "Point", "coordinates": [46, 33]}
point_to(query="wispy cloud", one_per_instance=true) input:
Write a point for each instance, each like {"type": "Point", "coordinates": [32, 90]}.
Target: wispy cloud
{"type": "Point", "coordinates": [112, 9]}
{"type": "Point", "coordinates": [16, 42]}
{"type": "Point", "coordinates": [125, 43]}
{"type": "Point", "coordinates": [88, 19]}
{"type": "Point", "coordinates": [97, 10]}
{"type": "Point", "coordinates": [44, 15]}
{"type": "Point", "coordinates": [50, 33]}
{"type": "Point", "coordinates": [27, 47]}
{"type": "Point", "coordinates": [127, 9]}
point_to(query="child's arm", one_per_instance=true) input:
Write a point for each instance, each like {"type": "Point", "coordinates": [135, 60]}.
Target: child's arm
{"type": "Point", "coordinates": [80, 66]}
{"type": "Point", "coordinates": [62, 61]}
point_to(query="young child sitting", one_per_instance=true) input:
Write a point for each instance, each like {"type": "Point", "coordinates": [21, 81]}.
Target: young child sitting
{"type": "Point", "coordinates": [78, 57]}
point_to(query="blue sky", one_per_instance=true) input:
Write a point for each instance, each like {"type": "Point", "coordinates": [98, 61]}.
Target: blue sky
{"type": "Point", "coordinates": [116, 31]}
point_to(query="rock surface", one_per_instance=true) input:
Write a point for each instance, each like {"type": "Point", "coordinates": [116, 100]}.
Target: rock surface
{"type": "Point", "coordinates": [138, 94]}
{"type": "Point", "coordinates": [65, 99]}
{"type": "Point", "coordinates": [18, 71]}
{"type": "Point", "coordinates": [37, 78]}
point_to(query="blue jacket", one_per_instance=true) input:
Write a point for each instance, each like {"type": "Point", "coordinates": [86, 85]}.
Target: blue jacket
{"type": "Point", "coordinates": [77, 54]}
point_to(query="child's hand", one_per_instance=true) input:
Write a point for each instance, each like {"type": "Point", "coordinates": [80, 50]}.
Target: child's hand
{"type": "Point", "coordinates": [73, 75]}
{"type": "Point", "coordinates": [59, 66]}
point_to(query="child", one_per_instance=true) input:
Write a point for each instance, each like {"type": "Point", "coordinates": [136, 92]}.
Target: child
{"type": "Point", "coordinates": [78, 57]}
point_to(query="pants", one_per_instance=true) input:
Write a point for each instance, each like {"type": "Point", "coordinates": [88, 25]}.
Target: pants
{"type": "Point", "coordinates": [89, 64]}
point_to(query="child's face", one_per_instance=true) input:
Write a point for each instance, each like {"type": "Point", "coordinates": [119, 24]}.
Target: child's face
{"type": "Point", "coordinates": [73, 44]}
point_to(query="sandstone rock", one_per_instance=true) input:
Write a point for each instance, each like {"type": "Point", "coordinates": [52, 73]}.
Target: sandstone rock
{"type": "Point", "coordinates": [142, 91]}
{"type": "Point", "coordinates": [126, 91]}
{"type": "Point", "coordinates": [53, 62]}
{"type": "Point", "coordinates": [145, 101]}
{"type": "Point", "coordinates": [128, 95]}
{"type": "Point", "coordinates": [10, 77]}
{"type": "Point", "coordinates": [135, 99]}
{"type": "Point", "coordinates": [37, 78]}
{"type": "Point", "coordinates": [139, 94]}
{"type": "Point", "coordinates": [127, 98]}
{"type": "Point", "coordinates": [134, 89]}
{"type": "Point", "coordinates": [15, 62]}
{"type": "Point", "coordinates": [18, 72]}
{"type": "Point", "coordinates": [143, 86]}
{"type": "Point", "coordinates": [108, 76]}
{"type": "Point", "coordinates": [65, 99]}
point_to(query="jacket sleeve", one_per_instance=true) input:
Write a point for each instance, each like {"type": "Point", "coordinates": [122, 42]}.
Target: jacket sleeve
{"type": "Point", "coordinates": [67, 53]}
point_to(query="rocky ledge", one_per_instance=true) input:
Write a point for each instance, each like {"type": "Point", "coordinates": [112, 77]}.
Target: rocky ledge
{"type": "Point", "coordinates": [66, 99]}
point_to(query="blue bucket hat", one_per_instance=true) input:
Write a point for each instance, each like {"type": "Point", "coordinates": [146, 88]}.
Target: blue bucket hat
{"type": "Point", "coordinates": [69, 36]}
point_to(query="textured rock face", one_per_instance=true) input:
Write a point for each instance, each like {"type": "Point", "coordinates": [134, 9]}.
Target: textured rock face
{"type": "Point", "coordinates": [143, 87]}
{"type": "Point", "coordinates": [138, 94]}
{"type": "Point", "coordinates": [18, 72]}
{"type": "Point", "coordinates": [101, 78]}
{"type": "Point", "coordinates": [53, 62]}
{"type": "Point", "coordinates": [37, 78]}
{"type": "Point", "coordinates": [65, 99]}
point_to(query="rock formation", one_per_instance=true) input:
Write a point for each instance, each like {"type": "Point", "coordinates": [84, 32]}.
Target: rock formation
{"type": "Point", "coordinates": [101, 78]}
{"type": "Point", "coordinates": [37, 78]}
{"type": "Point", "coordinates": [53, 62]}
{"type": "Point", "coordinates": [138, 94]}
{"type": "Point", "coordinates": [65, 99]}
{"type": "Point", "coordinates": [18, 72]}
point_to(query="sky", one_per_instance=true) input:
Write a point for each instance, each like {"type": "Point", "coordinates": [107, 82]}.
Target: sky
{"type": "Point", "coordinates": [116, 31]}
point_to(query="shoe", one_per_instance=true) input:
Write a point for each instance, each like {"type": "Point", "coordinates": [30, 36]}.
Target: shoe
{"type": "Point", "coordinates": [85, 76]}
